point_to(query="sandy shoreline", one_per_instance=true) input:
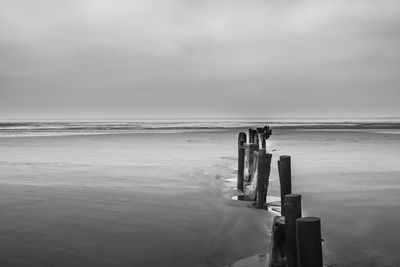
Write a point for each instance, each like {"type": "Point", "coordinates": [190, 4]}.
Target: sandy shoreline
{"type": "Point", "coordinates": [79, 207]}
{"type": "Point", "coordinates": [162, 199]}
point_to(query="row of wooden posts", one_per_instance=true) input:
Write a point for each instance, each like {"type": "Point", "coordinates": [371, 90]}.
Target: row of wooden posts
{"type": "Point", "coordinates": [296, 240]}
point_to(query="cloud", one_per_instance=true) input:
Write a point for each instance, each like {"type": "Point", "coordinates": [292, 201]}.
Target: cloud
{"type": "Point", "coordinates": [194, 58]}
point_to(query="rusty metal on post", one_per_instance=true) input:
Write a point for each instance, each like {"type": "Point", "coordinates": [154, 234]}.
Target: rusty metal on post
{"type": "Point", "coordinates": [285, 179]}
{"type": "Point", "coordinates": [309, 246]}
{"type": "Point", "coordinates": [292, 207]}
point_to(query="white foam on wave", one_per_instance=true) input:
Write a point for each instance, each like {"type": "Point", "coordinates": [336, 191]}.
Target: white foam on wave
{"type": "Point", "coordinates": [63, 128]}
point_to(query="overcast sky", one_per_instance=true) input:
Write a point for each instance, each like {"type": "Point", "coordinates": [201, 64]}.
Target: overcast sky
{"type": "Point", "coordinates": [213, 58]}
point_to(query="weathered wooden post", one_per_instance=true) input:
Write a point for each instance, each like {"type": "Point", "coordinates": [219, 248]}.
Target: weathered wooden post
{"type": "Point", "coordinates": [255, 138]}
{"type": "Point", "coordinates": [264, 170]}
{"type": "Point", "coordinates": [259, 134]}
{"type": "Point", "coordinates": [268, 172]}
{"type": "Point", "coordinates": [241, 154]}
{"type": "Point", "coordinates": [267, 131]}
{"type": "Point", "coordinates": [292, 207]}
{"type": "Point", "coordinates": [251, 136]}
{"type": "Point", "coordinates": [263, 141]}
{"type": "Point", "coordinates": [251, 159]}
{"type": "Point", "coordinates": [309, 246]}
{"type": "Point", "coordinates": [277, 252]}
{"type": "Point", "coordinates": [285, 179]}
{"type": "Point", "coordinates": [262, 165]}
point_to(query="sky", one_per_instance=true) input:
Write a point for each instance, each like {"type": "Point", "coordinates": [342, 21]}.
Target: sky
{"type": "Point", "coordinates": [193, 58]}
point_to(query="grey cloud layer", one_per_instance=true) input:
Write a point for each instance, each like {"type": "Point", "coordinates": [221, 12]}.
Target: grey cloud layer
{"type": "Point", "coordinates": [199, 58]}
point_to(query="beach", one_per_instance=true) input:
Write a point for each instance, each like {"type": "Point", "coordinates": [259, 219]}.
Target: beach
{"type": "Point", "coordinates": [123, 200]}
{"type": "Point", "coordinates": [164, 198]}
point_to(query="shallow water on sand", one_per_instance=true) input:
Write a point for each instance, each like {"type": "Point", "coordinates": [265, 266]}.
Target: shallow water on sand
{"type": "Point", "coordinates": [162, 199]}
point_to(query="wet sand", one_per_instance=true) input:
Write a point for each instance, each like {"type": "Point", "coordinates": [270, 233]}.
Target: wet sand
{"type": "Point", "coordinates": [127, 200]}
{"type": "Point", "coordinates": [351, 179]}
{"type": "Point", "coordinates": [162, 199]}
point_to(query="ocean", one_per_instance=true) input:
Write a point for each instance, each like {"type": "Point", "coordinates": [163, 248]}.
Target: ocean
{"type": "Point", "coordinates": [87, 127]}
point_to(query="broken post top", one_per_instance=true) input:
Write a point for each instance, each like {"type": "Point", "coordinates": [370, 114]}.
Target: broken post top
{"type": "Point", "coordinates": [292, 196]}
{"type": "Point", "coordinates": [262, 152]}
{"type": "Point", "coordinates": [259, 135]}
{"type": "Point", "coordinates": [242, 138]}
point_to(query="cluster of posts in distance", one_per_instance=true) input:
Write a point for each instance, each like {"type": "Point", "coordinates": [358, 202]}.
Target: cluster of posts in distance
{"type": "Point", "coordinates": [296, 240]}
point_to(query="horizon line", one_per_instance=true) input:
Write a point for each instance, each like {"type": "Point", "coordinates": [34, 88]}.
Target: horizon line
{"type": "Point", "coordinates": [258, 118]}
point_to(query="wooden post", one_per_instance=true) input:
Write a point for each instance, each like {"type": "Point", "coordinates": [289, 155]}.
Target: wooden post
{"type": "Point", "coordinates": [309, 246]}
{"type": "Point", "coordinates": [241, 154]}
{"type": "Point", "coordinates": [292, 209]}
{"type": "Point", "coordinates": [277, 252]}
{"type": "Point", "coordinates": [285, 179]}
{"type": "Point", "coordinates": [255, 138]}
{"type": "Point", "coordinates": [267, 131]}
{"type": "Point", "coordinates": [267, 173]}
{"type": "Point", "coordinates": [262, 171]}
{"type": "Point", "coordinates": [252, 148]}
{"type": "Point", "coordinates": [259, 133]}
{"type": "Point", "coordinates": [251, 137]}
{"type": "Point", "coordinates": [242, 137]}
{"type": "Point", "coordinates": [263, 141]}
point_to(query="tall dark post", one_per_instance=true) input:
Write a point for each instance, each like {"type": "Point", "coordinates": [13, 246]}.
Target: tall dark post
{"type": "Point", "coordinates": [292, 209]}
{"type": "Point", "coordinates": [241, 154]}
{"type": "Point", "coordinates": [264, 169]}
{"type": "Point", "coordinates": [277, 252]}
{"type": "Point", "coordinates": [255, 138]}
{"type": "Point", "coordinates": [267, 131]}
{"type": "Point", "coordinates": [309, 246]}
{"type": "Point", "coordinates": [251, 137]}
{"type": "Point", "coordinates": [285, 179]}
{"type": "Point", "coordinates": [263, 140]}
{"type": "Point", "coordinates": [267, 173]}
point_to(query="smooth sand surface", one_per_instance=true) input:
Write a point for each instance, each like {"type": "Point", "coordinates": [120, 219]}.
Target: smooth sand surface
{"type": "Point", "coordinates": [124, 200]}
{"type": "Point", "coordinates": [351, 179]}
{"type": "Point", "coordinates": [164, 199]}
